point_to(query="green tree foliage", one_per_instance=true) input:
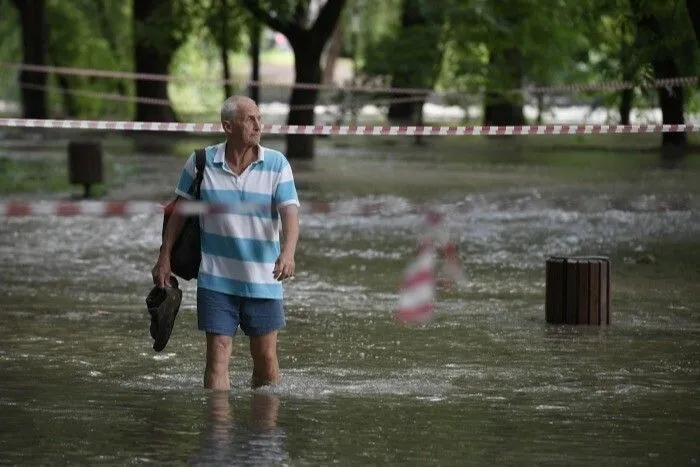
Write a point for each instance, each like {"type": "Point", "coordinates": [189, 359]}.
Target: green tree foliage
{"type": "Point", "coordinates": [160, 27]}
{"type": "Point", "coordinates": [693, 7]}
{"type": "Point", "coordinates": [674, 36]}
{"type": "Point", "coordinates": [409, 55]}
{"type": "Point", "coordinates": [665, 39]}
{"type": "Point", "coordinates": [226, 21]}
{"type": "Point", "coordinates": [32, 14]}
{"type": "Point", "coordinates": [218, 30]}
{"type": "Point", "coordinates": [372, 23]}
{"type": "Point", "coordinates": [486, 50]}
{"type": "Point", "coordinates": [11, 50]}
{"type": "Point", "coordinates": [308, 27]}
{"type": "Point", "coordinates": [497, 48]}
{"type": "Point", "coordinates": [486, 47]}
{"type": "Point", "coordinates": [88, 34]}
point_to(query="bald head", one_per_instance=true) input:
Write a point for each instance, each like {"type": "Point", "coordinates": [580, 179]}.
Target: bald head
{"type": "Point", "coordinates": [240, 120]}
{"type": "Point", "coordinates": [234, 104]}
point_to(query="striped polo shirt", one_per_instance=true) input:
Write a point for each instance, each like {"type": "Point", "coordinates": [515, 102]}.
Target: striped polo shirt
{"type": "Point", "coordinates": [239, 249]}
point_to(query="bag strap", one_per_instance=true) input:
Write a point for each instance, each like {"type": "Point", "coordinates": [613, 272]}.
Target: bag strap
{"type": "Point", "coordinates": [199, 162]}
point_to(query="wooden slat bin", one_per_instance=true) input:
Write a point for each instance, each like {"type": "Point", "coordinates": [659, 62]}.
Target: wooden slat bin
{"type": "Point", "coordinates": [578, 290]}
{"type": "Point", "coordinates": [85, 164]}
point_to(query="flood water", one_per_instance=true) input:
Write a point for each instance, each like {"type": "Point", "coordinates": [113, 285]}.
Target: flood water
{"type": "Point", "coordinates": [487, 382]}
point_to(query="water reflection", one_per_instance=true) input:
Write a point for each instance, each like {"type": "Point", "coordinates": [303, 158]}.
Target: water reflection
{"type": "Point", "coordinates": [228, 440]}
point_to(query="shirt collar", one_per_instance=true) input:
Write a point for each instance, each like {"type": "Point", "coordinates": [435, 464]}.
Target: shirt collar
{"type": "Point", "coordinates": [221, 154]}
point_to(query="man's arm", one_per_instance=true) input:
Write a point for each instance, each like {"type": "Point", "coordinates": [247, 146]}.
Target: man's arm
{"type": "Point", "coordinates": [284, 267]}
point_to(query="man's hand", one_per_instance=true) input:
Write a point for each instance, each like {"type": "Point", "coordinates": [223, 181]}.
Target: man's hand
{"type": "Point", "coordinates": [161, 272]}
{"type": "Point", "coordinates": [284, 267]}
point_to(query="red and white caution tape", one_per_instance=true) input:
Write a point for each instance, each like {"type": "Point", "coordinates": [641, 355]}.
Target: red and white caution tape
{"type": "Point", "coordinates": [20, 208]}
{"type": "Point", "coordinates": [436, 234]}
{"type": "Point", "coordinates": [418, 288]}
{"type": "Point", "coordinates": [419, 279]}
{"type": "Point", "coordinates": [110, 125]}
{"type": "Point", "coordinates": [452, 266]}
{"type": "Point", "coordinates": [76, 208]}
{"type": "Point", "coordinates": [417, 291]}
{"type": "Point", "coordinates": [353, 130]}
{"type": "Point", "coordinates": [119, 208]}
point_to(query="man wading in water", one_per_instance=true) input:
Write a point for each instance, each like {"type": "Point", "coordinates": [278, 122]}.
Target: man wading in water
{"type": "Point", "coordinates": [239, 282]}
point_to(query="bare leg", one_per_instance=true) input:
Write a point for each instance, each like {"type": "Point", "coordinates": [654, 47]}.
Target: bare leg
{"type": "Point", "coordinates": [218, 428]}
{"type": "Point", "coordinates": [218, 355]}
{"type": "Point", "coordinates": [263, 410]}
{"type": "Point", "coordinates": [266, 368]}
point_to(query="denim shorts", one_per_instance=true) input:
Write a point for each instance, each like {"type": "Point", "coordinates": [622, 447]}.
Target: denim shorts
{"type": "Point", "coordinates": [220, 313]}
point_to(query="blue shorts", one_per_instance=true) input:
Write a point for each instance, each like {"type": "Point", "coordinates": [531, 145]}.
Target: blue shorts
{"type": "Point", "coordinates": [220, 313]}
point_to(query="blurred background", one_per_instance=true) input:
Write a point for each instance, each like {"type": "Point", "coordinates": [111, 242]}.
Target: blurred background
{"type": "Point", "coordinates": [486, 381]}
{"type": "Point", "coordinates": [394, 61]}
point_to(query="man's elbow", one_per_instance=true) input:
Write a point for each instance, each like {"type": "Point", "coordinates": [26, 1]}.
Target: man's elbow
{"type": "Point", "coordinates": [289, 211]}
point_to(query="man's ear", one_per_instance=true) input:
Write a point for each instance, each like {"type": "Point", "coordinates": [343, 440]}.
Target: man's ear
{"type": "Point", "coordinates": [227, 126]}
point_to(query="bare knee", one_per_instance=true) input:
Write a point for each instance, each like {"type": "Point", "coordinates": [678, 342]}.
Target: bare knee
{"type": "Point", "coordinates": [265, 356]}
{"type": "Point", "coordinates": [264, 348]}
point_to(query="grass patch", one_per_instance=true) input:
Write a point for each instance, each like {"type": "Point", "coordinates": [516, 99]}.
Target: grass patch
{"type": "Point", "coordinates": [50, 175]}
{"type": "Point", "coordinates": [38, 175]}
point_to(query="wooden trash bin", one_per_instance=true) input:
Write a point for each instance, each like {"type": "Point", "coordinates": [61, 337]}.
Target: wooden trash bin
{"type": "Point", "coordinates": [578, 290]}
{"type": "Point", "coordinates": [85, 164]}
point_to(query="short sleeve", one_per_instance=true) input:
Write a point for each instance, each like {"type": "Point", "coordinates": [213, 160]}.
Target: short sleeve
{"type": "Point", "coordinates": [186, 178]}
{"type": "Point", "coordinates": [285, 191]}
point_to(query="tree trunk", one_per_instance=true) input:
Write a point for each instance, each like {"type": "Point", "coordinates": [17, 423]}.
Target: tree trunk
{"type": "Point", "coordinates": [148, 62]}
{"type": "Point", "coordinates": [255, 31]}
{"type": "Point", "coordinates": [506, 68]}
{"type": "Point", "coordinates": [652, 36]}
{"type": "Point", "coordinates": [626, 99]}
{"type": "Point", "coordinates": [153, 58]}
{"type": "Point", "coordinates": [672, 103]}
{"type": "Point", "coordinates": [228, 87]}
{"type": "Point", "coordinates": [415, 22]}
{"type": "Point", "coordinates": [32, 16]}
{"type": "Point", "coordinates": [404, 112]}
{"type": "Point", "coordinates": [506, 72]}
{"type": "Point", "coordinates": [308, 44]}
{"type": "Point", "coordinates": [629, 70]}
{"type": "Point", "coordinates": [307, 67]}
{"type": "Point", "coordinates": [693, 7]}
{"type": "Point", "coordinates": [501, 111]}
{"type": "Point", "coordinates": [224, 47]}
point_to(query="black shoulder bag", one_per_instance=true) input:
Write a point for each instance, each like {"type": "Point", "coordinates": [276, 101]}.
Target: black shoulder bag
{"type": "Point", "coordinates": [186, 253]}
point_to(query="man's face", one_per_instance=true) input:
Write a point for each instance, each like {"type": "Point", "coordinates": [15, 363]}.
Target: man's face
{"type": "Point", "coordinates": [246, 125]}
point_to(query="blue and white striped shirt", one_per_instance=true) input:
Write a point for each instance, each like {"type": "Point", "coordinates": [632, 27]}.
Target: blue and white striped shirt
{"type": "Point", "coordinates": [239, 249]}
